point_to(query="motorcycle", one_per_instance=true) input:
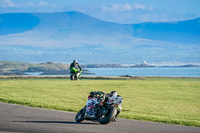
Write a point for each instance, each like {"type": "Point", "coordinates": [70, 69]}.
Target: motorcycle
{"type": "Point", "coordinates": [76, 75]}
{"type": "Point", "coordinates": [103, 112]}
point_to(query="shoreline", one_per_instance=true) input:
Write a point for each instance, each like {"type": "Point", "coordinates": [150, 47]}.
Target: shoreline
{"type": "Point", "coordinates": [126, 77]}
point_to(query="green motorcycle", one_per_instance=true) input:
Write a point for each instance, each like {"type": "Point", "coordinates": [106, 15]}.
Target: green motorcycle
{"type": "Point", "coordinates": [75, 74]}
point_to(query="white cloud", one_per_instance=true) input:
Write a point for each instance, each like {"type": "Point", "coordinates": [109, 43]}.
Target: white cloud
{"type": "Point", "coordinates": [7, 3]}
{"type": "Point", "coordinates": [39, 4]}
{"type": "Point", "coordinates": [139, 6]}
{"type": "Point", "coordinates": [29, 4]}
{"type": "Point", "coordinates": [125, 7]}
{"type": "Point", "coordinates": [42, 3]}
{"type": "Point", "coordinates": [117, 8]}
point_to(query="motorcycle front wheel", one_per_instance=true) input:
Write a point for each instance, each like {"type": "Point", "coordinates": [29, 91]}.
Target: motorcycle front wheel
{"type": "Point", "coordinates": [105, 119]}
{"type": "Point", "coordinates": [80, 115]}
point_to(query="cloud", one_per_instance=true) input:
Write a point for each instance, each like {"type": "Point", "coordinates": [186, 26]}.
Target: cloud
{"type": "Point", "coordinates": [29, 4]}
{"type": "Point", "coordinates": [139, 6]}
{"type": "Point", "coordinates": [117, 8]}
{"type": "Point", "coordinates": [42, 3]}
{"type": "Point", "coordinates": [7, 3]}
{"type": "Point", "coordinates": [125, 7]}
{"type": "Point", "coordinates": [10, 3]}
{"type": "Point", "coordinates": [39, 4]}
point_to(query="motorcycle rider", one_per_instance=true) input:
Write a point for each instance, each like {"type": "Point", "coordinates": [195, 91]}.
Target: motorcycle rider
{"type": "Point", "coordinates": [102, 96]}
{"type": "Point", "coordinates": [75, 68]}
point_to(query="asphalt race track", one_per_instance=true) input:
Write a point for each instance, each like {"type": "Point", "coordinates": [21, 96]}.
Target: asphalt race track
{"type": "Point", "coordinates": [17, 119]}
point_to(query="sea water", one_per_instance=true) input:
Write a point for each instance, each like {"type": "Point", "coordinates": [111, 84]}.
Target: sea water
{"type": "Point", "coordinates": [148, 71]}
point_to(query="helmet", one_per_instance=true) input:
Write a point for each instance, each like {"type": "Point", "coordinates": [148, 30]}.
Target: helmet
{"type": "Point", "coordinates": [75, 61]}
{"type": "Point", "coordinates": [113, 93]}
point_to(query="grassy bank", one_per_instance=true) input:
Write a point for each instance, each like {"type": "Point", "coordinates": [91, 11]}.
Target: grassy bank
{"type": "Point", "coordinates": [167, 100]}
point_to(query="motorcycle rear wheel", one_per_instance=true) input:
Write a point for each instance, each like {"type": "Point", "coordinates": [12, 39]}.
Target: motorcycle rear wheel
{"type": "Point", "coordinates": [109, 116]}
{"type": "Point", "coordinates": [73, 76]}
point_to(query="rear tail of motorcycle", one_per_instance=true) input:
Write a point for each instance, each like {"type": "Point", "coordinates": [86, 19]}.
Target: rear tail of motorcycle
{"type": "Point", "coordinates": [109, 116]}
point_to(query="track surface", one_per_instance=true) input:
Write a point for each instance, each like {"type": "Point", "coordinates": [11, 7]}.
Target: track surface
{"type": "Point", "coordinates": [16, 118]}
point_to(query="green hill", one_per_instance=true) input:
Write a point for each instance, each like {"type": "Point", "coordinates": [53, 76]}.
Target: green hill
{"type": "Point", "coordinates": [20, 68]}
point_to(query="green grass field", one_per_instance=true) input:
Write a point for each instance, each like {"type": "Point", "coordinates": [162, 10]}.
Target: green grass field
{"type": "Point", "coordinates": [167, 100]}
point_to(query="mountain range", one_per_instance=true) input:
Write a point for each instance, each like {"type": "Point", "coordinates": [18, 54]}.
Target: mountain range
{"type": "Point", "coordinates": [65, 36]}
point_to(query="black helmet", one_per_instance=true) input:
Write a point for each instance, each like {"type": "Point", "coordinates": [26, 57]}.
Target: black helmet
{"type": "Point", "coordinates": [75, 61]}
{"type": "Point", "coordinates": [113, 93]}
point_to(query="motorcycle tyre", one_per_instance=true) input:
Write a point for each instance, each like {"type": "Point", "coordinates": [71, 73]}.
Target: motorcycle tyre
{"type": "Point", "coordinates": [82, 117]}
{"type": "Point", "coordinates": [72, 76]}
{"type": "Point", "coordinates": [108, 118]}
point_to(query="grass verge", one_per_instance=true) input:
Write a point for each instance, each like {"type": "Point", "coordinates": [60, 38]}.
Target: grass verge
{"type": "Point", "coordinates": [166, 100]}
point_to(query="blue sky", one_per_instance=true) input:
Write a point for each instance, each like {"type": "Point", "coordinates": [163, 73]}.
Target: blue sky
{"type": "Point", "coordinates": [119, 11]}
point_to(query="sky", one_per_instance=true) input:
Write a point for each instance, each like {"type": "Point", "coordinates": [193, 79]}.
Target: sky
{"type": "Point", "coordinates": [118, 11]}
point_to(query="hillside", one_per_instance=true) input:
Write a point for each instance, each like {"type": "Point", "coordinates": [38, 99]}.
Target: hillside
{"type": "Point", "coordinates": [185, 32]}
{"type": "Point", "coordinates": [17, 23]}
{"type": "Point", "coordinates": [65, 36]}
{"type": "Point", "coordinates": [21, 68]}
{"type": "Point", "coordinates": [69, 24]}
